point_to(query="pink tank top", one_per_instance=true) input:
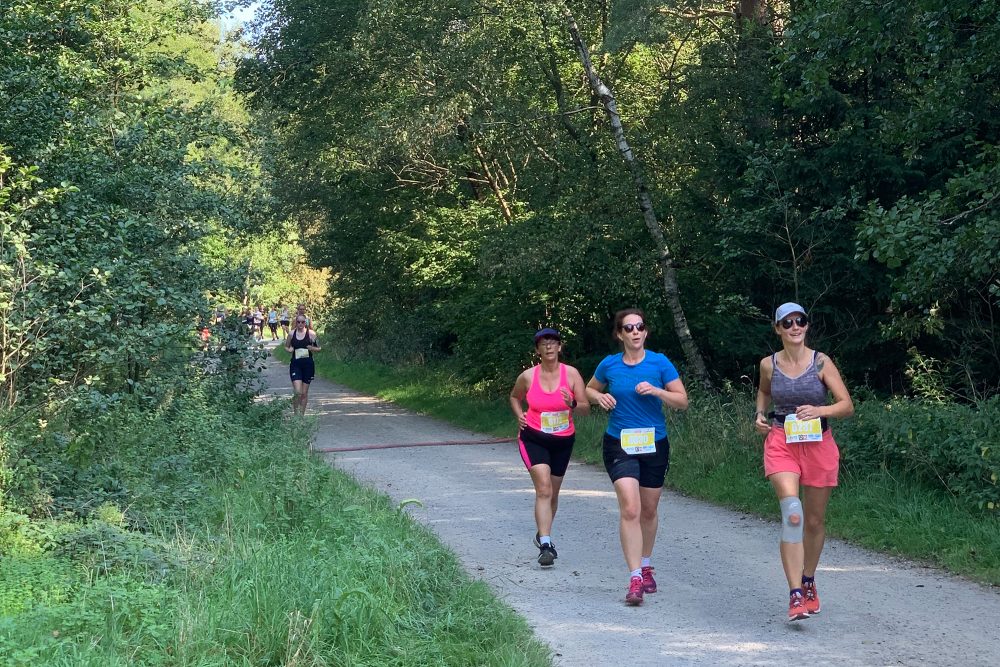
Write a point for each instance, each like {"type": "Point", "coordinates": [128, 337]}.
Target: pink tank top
{"type": "Point", "coordinates": [548, 412]}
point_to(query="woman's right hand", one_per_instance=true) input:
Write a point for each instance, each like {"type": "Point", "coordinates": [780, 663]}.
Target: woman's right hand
{"type": "Point", "coordinates": [761, 424]}
{"type": "Point", "coordinates": [522, 421]}
{"type": "Point", "coordinates": [606, 401]}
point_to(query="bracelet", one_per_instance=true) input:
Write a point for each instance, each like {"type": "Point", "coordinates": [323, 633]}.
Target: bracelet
{"type": "Point", "coordinates": [572, 405]}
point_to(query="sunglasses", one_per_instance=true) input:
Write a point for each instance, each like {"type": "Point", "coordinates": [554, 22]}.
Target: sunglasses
{"type": "Point", "coordinates": [303, 322]}
{"type": "Point", "coordinates": [629, 328]}
{"type": "Point", "coordinates": [799, 321]}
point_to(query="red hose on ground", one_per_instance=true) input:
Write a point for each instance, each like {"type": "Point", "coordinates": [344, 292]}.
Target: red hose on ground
{"type": "Point", "coordinates": [443, 443]}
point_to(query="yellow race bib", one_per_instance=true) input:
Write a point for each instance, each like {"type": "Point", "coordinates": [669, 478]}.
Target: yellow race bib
{"type": "Point", "coordinates": [555, 422]}
{"type": "Point", "coordinates": [802, 430]}
{"type": "Point", "coordinates": [638, 440]}
{"type": "Point", "coordinates": [301, 353]}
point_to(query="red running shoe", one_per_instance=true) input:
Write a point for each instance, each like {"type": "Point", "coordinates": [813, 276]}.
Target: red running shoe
{"type": "Point", "coordinates": [634, 596]}
{"type": "Point", "coordinates": [648, 583]}
{"type": "Point", "coordinates": [797, 608]}
{"type": "Point", "coordinates": [812, 597]}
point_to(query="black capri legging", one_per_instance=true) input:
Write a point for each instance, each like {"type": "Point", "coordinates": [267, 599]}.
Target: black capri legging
{"type": "Point", "coordinates": [537, 447]}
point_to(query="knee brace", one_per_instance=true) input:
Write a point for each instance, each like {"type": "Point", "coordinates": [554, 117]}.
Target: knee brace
{"type": "Point", "coordinates": [791, 507]}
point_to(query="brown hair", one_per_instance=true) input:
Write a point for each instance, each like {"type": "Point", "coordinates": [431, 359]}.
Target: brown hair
{"type": "Point", "coordinates": [622, 314]}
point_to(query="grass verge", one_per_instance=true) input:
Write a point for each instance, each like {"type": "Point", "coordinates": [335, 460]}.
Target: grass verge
{"type": "Point", "coordinates": [717, 456]}
{"type": "Point", "coordinates": [233, 546]}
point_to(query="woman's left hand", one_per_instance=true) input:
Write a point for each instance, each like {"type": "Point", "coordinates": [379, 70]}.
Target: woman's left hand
{"type": "Point", "coordinates": [644, 388]}
{"type": "Point", "coordinates": [567, 396]}
{"type": "Point", "coordinates": [807, 412]}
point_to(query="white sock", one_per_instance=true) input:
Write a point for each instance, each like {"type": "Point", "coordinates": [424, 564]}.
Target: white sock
{"type": "Point", "coordinates": [646, 561]}
{"type": "Point", "coordinates": [637, 573]}
{"type": "Point", "coordinates": [545, 539]}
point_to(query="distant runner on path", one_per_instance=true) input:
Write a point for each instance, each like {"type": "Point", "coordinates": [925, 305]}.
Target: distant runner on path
{"type": "Point", "coordinates": [636, 448]}
{"type": "Point", "coordinates": [799, 449]}
{"type": "Point", "coordinates": [547, 431]}
{"type": "Point", "coordinates": [301, 344]}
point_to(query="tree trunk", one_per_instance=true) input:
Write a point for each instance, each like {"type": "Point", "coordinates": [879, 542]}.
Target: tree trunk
{"type": "Point", "coordinates": [695, 363]}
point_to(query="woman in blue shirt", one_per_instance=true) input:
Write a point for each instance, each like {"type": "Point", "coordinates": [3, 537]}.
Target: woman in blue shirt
{"type": "Point", "coordinates": [633, 386]}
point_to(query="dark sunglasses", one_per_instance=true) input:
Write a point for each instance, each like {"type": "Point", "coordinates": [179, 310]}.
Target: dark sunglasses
{"type": "Point", "coordinates": [303, 322]}
{"type": "Point", "coordinates": [800, 321]}
{"type": "Point", "coordinates": [629, 328]}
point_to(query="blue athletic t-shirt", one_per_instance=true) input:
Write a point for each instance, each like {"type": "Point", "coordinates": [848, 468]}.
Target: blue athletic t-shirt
{"type": "Point", "coordinates": [631, 409]}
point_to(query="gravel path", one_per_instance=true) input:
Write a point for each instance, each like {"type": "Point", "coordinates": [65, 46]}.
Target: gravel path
{"type": "Point", "coordinates": [722, 596]}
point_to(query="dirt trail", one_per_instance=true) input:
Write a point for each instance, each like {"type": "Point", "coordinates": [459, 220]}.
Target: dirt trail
{"type": "Point", "coordinates": [722, 593]}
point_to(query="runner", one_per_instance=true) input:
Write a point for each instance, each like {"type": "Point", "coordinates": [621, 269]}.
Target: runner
{"type": "Point", "coordinates": [301, 344]}
{"type": "Point", "coordinates": [547, 431]}
{"type": "Point", "coordinates": [636, 448]}
{"type": "Point", "coordinates": [799, 449]}
{"type": "Point", "coordinates": [247, 318]}
{"type": "Point", "coordinates": [283, 320]}
{"type": "Point", "coordinates": [272, 322]}
{"type": "Point", "coordinates": [258, 322]}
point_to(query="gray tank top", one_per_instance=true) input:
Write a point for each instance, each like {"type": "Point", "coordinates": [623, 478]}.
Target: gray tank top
{"type": "Point", "coordinates": [789, 393]}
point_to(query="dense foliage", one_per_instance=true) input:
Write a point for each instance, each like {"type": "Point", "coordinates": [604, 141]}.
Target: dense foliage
{"type": "Point", "coordinates": [450, 164]}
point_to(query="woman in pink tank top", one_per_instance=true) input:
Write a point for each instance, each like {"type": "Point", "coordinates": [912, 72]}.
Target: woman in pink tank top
{"type": "Point", "coordinates": [553, 391]}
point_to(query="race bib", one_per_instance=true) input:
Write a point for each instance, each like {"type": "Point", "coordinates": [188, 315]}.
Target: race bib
{"type": "Point", "coordinates": [638, 440]}
{"type": "Point", "coordinates": [802, 430]}
{"type": "Point", "coordinates": [301, 353]}
{"type": "Point", "coordinates": [555, 422]}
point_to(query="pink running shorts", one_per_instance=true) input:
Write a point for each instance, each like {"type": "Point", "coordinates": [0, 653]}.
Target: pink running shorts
{"type": "Point", "coordinates": [817, 463]}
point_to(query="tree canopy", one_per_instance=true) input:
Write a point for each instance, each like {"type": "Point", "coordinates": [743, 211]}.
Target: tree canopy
{"type": "Point", "coordinates": [451, 164]}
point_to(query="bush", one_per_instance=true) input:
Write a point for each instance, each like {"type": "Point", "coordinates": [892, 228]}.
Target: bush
{"type": "Point", "coordinates": [949, 444]}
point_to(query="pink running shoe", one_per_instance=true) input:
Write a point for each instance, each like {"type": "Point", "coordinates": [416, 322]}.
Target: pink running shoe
{"type": "Point", "coordinates": [797, 608]}
{"type": "Point", "coordinates": [811, 595]}
{"type": "Point", "coordinates": [634, 596]}
{"type": "Point", "coordinates": [648, 583]}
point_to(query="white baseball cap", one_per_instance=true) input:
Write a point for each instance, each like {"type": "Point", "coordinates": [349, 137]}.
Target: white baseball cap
{"type": "Point", "coordinates": [786, 309]}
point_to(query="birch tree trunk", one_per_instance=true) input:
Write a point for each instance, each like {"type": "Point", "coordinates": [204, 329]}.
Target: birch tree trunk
{"type": "Point", "coordinates": [692, 355]}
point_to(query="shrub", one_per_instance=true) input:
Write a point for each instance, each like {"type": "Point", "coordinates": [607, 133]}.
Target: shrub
{"type": "Point", "coordinates": [950, 444]}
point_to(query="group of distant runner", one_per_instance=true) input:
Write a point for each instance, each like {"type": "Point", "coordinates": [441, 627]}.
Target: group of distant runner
{"type": "Point", "coordinates": [275, 317]}
{"type": "Point", "coordinates": [801, 459]}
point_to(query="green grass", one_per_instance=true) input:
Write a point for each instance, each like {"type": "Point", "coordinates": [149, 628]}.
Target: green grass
{"type": "Point", "coordinates": [254, 553]}
{"type": "Point", "coordinates": [717, 456]}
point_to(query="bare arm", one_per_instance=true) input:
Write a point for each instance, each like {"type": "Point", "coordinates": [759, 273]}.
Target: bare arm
{"type": "Point", "coordinates": [673, 394]}
{"type": "Point", "coordinates": [579, 392]}
{"type": "Point", "coordinates": [760, 421]}
{"type": "Point", "coordinates": [842, 405]}
{"type": "Point", "coordinates": [595, 393]}
{"type": "Point", "coordinates": [517, 394]}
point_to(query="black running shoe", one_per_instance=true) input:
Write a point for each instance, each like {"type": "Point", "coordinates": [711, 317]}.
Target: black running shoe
{"type": "Point", "coordinates": [546, 555]}
{"type": "Point", "coordinates": [538, 543]}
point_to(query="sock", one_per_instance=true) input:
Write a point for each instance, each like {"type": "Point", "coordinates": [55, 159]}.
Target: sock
{"type": "Point", "coordinates": [646, 561]}
{"type": "Point", "coordinates": [545, 539]}
{"type": "Point", "coordinates": [637, 573]}
{"type": "Point", "coordinates": [795, 591]}
{"type": "Point", "coordinates": [807, 580]}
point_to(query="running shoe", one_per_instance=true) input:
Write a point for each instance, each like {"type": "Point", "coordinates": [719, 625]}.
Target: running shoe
{"type": "Point", "coordinates": [648, 583]}
{"type": "Point", "coordinates": [538, 541]}
{"type": "Point", "coordinates": [634, 596]}
{"type": "Point", "coordinates": [811, 595]}
{"type": "Point", "coordinates": [797, 608]}
{"type": "Point", "coordinates": [546, 555]}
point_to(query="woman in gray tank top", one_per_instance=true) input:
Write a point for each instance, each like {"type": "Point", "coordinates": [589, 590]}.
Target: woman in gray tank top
{"type": "Point", "coordinates": [799, 450]}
